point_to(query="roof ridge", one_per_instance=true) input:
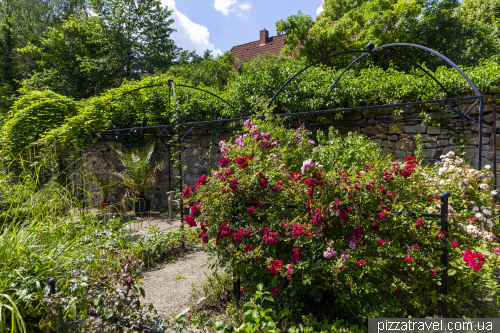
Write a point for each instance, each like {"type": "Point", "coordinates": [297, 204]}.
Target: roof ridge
{"type": "Point", "coordinates": [255, 41]}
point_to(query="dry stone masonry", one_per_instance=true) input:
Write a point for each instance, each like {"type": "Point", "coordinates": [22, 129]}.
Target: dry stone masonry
{"type": "Point", "coordinates": [201, 151]}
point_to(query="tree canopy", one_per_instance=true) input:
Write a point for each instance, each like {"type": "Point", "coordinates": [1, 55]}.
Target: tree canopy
{"type": "Point", "coordinates": [335, 9]}
{"type": "Point", "coordinates": [443, 25]}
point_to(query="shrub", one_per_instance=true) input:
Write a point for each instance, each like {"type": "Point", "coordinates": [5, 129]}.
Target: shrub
{"type": "Point", "coordinates": [325, 240]}
{"type": "Point", "coordinates": [32, 116]}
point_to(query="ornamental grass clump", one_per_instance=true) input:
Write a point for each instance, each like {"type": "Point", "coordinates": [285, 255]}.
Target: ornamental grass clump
{"type": "Point", "coordinates": [325, 224]}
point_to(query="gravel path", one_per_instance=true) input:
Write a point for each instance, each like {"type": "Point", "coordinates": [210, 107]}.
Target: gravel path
{"type": "Point", "coordinates": [168, 286]}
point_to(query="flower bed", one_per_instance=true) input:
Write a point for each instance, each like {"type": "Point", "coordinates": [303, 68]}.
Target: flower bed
{"type": "Point", "coordinates": [316, 223]}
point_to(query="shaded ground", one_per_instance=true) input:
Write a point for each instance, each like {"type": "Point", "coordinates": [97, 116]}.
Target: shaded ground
{"type": "Point", "coordinates": [169, 286]}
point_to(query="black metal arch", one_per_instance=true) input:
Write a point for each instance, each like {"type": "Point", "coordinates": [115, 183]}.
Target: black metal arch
{"type": "Point", "coordinates": [448, 61]}
{"type": "Point", "coordinates": [389, 54]}
{"type": "Point", "coordinates": [179, 85]}
{"type": "Point", "coordinates": [371, 49]}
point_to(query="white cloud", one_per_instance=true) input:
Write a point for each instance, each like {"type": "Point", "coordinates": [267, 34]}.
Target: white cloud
{"type": "Point", "coordinates": [227, 6]}
{"type": "Point", "coordinates": [189, 35]}
{"type": "Point", "coordinates": [320, 8]}
{"type": "Point", "coordinates": [246, 6]}
{"type": "Point", "coordinates": [223, 6]}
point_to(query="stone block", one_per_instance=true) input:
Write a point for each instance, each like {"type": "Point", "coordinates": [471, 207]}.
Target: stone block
{"type": "Point", "coordinates": [429, 153]}
{"type": "Point", "coordinates": [415, 128]}
{"type": "Point", "coordinates": [345, 130]}
{"type": "Point", "coordinates": [487, 147]}
{"type": "Point", "coordinates": [392, 138]}
{"type": "Point", "coordinates": [448, 149]}
{"type": "Point", "coordinates": [352, 115]}
{"type": "Point", "coordinates": [406, 145]}
{"type": "Point", "coordinates": [475, 141]}
{"type": "Point", "coordinates": [486, 129]}
{"type": "Point", "coordinates": [487, 153]}
{"type": "Point", "coordinates": [389, 144]}
{"type": "Point", "coordinates": [396, 128]}
{"type": "Point", "coordinates": [428, 138]}
{"type": "Point", "coordinates": [497, 139]}
{"type": "Point", "coordinates": [453, 140]}
{"type": "Point", "coordinates": [442, 143]}
{"type": "Point", "coordinates": [470, 152]}
{"type": "Point", "coordinates": [205, 141]}
{"type": "Point", "coordinates": [489, 117]}
{"type": "Point", "coordinates": [432, 130]}
{"type": "Point", "coordinates": [464, 107]}
{"type": "Point", "coordinates": [190, 162]}
{"type": "Point", "coordinates": [378, 142]}
{"type": "Point", "coordinates": [429, 145]}
{"type": "Point", "coordinates": [400, 154]}
{"type": "Point", "coordinates": [374, 130]}
{"type": "Point", "coordinates": [386, 151]}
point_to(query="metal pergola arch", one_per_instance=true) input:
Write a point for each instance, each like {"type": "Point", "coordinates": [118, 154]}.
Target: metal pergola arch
{"type": "Point", "coordinates": [370, 49]}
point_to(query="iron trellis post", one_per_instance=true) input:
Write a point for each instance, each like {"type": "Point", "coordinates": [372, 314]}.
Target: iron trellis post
{"type": "Point", "coordinates": [179, 140]}
{"type": "Point", "coordinates": [480, 139]}
{"type": "Point", "coordinates": [444, 257]}
{"type": "Point", "coordinates": [52, 291]}
{"type": "Point", "coordinates": [495, 145]}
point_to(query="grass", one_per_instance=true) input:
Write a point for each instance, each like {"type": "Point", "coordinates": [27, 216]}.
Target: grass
{"type": "Point", "coordinates": [47, 231]}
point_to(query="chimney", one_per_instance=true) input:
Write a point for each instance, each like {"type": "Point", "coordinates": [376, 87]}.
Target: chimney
{"type": "Point", "coordinates": [264, 36]}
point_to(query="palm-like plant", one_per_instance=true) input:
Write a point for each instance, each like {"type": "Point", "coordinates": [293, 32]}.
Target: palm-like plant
{"type": "Point", "coordinates": [139, 173]}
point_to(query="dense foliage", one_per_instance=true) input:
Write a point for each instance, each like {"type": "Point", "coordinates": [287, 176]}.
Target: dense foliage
{"type": "Point", "coordinates": [338, 235]}
{"type": "Point", "coordinates": [131, 106]}
{"type": "Point", "coordinates": [32, 116]}
{"type": "Point", "coordinates": [444, 26]}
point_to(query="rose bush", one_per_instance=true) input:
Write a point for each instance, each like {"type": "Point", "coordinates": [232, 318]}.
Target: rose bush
{"type": "Point", "coordinates": [326, 230]}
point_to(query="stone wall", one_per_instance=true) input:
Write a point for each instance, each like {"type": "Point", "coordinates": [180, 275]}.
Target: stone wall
{"type": "Point", "coordinates": [200, 153]}
{"type": "Point", "coordinates": [395, 134]}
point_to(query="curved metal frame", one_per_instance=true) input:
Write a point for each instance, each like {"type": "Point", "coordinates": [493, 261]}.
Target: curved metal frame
{"type": "Point", "coordinates": [371, 50]}
{"type": "Point", "coordinates": [392, 55]}
{"type": "Point", "coordinates": [179, 85]}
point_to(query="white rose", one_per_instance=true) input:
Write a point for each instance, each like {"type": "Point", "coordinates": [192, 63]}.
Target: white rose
{"type": "Point", "coordinates": [490, 224]}
{"type": "Point", "coordinates": [470, 228]}
{"type": "Point", "coordinates": [484, 186]}
{"type": "Point", "coordinates": [494, 192]}
{"type": "Point", "coordinates": [487, 166]}
{"type": "Point", "coordinates": [486, 212]}
{"type": "Point", "coordinates": [441, 171]}
{"type": "Point", "coordinates": [479, 216]}
{"type": "Point", "coordinates": [441, 182]}
{"type": "Point", "coordinates": [475, 209]}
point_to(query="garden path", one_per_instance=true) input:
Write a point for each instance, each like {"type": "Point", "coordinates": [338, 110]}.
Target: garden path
{"type": "Point", "coordinates": [171, 286]}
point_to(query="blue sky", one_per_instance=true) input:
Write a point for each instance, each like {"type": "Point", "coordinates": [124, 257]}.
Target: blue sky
{"type": "Point", "coordinates": [219, 25]}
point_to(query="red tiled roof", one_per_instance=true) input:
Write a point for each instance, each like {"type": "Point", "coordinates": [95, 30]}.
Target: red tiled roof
{"type": "Point", "coordinates": [248, 51]}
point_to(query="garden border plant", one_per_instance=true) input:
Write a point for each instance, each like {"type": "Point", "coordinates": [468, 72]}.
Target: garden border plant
{"type": "Point", "coordinates": [370, 197]}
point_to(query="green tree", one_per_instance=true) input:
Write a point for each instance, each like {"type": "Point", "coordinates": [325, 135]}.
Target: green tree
{"type": "Point", "coordinates": [435, 24]}
{"type": "Point", "coordinates": [296, 28]}
{"type": "Point", "coordinates": [205, 70]}
{"type": "Point", "coordinates": [487, 11]}
{"type": "Point", "coordinates": [142, 31]}
{"type": "Point", "coordinates": [23, 22]}
{"type": "Point", "coordinates": [333, 10]}
{"type": "Point", "coordinates": [77, 59]}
